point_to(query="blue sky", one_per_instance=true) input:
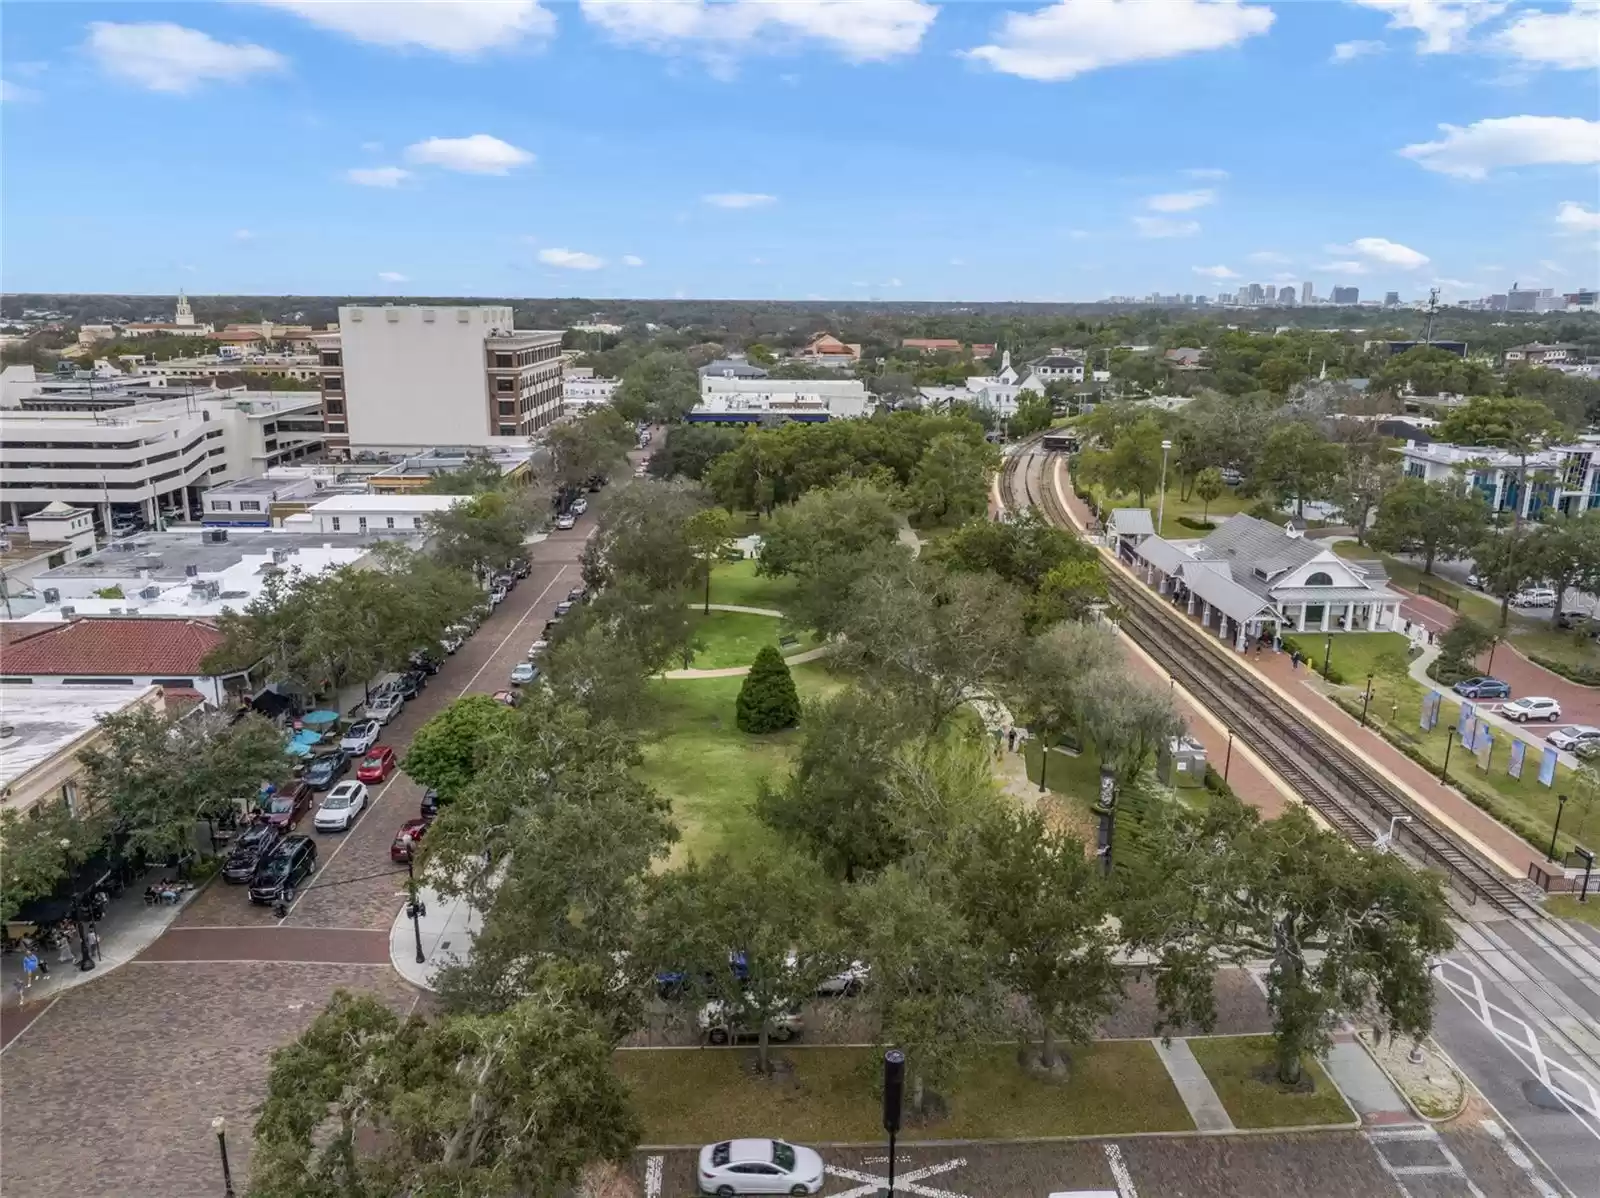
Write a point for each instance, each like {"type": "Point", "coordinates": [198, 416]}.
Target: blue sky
{"type": "Point", "coordinates": [893, 149]}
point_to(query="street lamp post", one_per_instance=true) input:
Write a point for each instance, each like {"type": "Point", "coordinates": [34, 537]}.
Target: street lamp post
{"type": "Point", "coordinates": [1561, 805]}
{"type": "Point", "coordinates": [1588, 868]}
{"type": "Point", "coordinates": [220, 1126]}
{"type": "Point", "coordinates": [894, 1077]}
{"type": "Point", "coordinates": [1365, 701]}
{"type": "Point", "coordinates": [414, 906]}
{"type": "Point", "coordinates": [1161, 503]}
{"type": "Point", "coordinates": [1227, 758]}
{"type": "Point", "coordinates": [1444, 772]}
{"type": "Point", "coordinates": [1327, 657]}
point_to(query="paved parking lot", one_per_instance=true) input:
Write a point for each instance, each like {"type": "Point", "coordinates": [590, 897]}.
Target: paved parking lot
{"type": "Point", "coordinates": [1321, 1165]}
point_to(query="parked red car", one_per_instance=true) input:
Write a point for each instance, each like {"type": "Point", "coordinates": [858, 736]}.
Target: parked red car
{"type": "Point", "coordinates": [406, 838]}
{"type": "Point", "coordinates": [286, 807]}
{"type": "Point", "coordinates": [377, 765]}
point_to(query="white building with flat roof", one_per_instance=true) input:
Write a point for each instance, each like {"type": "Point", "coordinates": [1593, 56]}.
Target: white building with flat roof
{"type": "Point", "coordinates": [404, 513]}
{"type": "Point", "coordinates": [734, 400]}
{"type": "Point", "coordinates": [414, 376]}
{"type": "Point", "coordinates": [152, 457]}
{"type": "Point", "coordinates": [44, 730]}
{"type": "Point", "coordinates": [1564, 477]}
{"type": "Point", "coordinates": [580, 389]}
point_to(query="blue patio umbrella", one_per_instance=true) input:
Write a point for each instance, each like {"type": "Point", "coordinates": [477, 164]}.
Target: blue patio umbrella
{"type": "Point", "coordinates": [317, 719]}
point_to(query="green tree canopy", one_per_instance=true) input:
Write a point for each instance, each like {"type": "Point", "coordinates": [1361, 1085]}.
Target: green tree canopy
{"type": "Point", "coordinates": [1429, 519]}
{"type": "Point", "coordinates": [768, 701]}
{"type": "Point", "coordinates": [448, 751]}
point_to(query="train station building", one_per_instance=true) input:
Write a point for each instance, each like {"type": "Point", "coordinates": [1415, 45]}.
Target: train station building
{"type": "Point", "coordinates": [1252, 578]}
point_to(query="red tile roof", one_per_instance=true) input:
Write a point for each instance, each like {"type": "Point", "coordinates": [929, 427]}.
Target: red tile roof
{"type": "Point", "coordinates": [93, 647]}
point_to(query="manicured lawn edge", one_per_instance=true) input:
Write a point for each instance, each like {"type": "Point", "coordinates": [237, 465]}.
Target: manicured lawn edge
{"type": "Point", "coordinates": [1117, 1088]}
{"type": "Point", "coordinates": [1228, 1062]}
{"type": "Point", "coordinates": [1566, 906]}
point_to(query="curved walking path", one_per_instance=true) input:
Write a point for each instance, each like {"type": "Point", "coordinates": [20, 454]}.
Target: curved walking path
{"type": "Point", "coordinates": [799, 659]}
{"type": "Point", "coordinates": [749, 611]}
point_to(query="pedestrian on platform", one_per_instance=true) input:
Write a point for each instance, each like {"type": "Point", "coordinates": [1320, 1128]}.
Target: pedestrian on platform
{"type": "Point", "coordinates": [64, 953]}
{"type": "Point", "coordinates": [1011, 739]}
{"type": "Point", "coordinates": [94, 944]}
{"type": "Point", "coordinates": [30, 968]}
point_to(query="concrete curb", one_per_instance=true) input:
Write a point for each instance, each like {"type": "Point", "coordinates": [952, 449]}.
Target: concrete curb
{"type": "Point", "coordinates": [1086, 1138]}
{"type": "Point", "coordinates": [1466, 1090]}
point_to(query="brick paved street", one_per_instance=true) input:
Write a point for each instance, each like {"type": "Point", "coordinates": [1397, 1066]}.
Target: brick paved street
{"type": "Point", "coordinates": [1322, 1165]}
{"type": "Point", "coordinates": [111, 1092]}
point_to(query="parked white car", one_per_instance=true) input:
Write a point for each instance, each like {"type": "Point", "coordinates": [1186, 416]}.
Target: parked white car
{"type": "Point", "coordinates": [566, 522]}
{"type": "Point", "coordinates": [361, 737]}
{"type": "Point", "coordinates": [384, 708]}
{"type": "Point", "coordinates": [1533, 707]}
{"type": "Point", "coordinates": [852, 979]}
{"type": "Point", "coordinates": [722, 1026]}
{"type": "Point", "coordinates": [339, 810]}
{"type": "Point", "coordinates": [759, 1167]}
{"type": "Point", "coordinates": [1534, 597]}
{"type": "Point", "coordinates": [579, 506]}
{"type": "Point", "coordinates": [1574, 737]}
{"type": "Point", "coordinates": [538, 647]}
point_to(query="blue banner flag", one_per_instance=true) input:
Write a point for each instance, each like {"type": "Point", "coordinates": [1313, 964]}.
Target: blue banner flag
{"type": "Point", "coordinates": [1519, 750]}
{"type": "Point", "coordinates": [1430, 710]}
{"type": "Point", "coordinates": [1464, 724]}
{"type": "Point", "coordinates": [1547, 766]}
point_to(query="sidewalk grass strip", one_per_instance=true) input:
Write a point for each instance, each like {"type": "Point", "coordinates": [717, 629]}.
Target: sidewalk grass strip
{"type": "Point", "coordinates": [1236, 1065]}
{"type": "Point", "coordinates": [830, 1094]}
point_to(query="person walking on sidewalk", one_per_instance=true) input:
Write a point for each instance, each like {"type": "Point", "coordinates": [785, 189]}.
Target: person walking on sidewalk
{"type": "Point", "coordinates": [30, 968]}
{"type": "Point", "coordinates": [94, 943]}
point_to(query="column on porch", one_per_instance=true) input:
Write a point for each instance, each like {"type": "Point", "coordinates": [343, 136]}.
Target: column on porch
{"type": "Point", "coordinates": [1326, 608]}
{"type": "Point", "coordinates": [1300, 625]}
{"type": "Point", "coordinates": [1191, 602]}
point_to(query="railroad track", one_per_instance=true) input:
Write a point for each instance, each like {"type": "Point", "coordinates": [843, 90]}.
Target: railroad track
{"type": "Point", "coordinates": [1339, 785]}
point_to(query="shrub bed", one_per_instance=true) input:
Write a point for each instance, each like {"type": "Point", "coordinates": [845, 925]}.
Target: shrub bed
{"type": "Point", "coordinates": [1197, 525]}
{"type": "Point", "coordinates": [1292, 645]}
{"type": "Point", "coordinates": [1583, 675]}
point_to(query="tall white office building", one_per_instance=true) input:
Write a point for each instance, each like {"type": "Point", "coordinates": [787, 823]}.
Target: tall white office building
{"type": "Point", "coordinates": [409, 377]}
{"type": "Point", "coordinates": [1308, 293]}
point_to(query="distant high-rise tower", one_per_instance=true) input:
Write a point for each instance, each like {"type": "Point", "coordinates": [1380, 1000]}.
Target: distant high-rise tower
{"type": "Point", "coordinates": [1255, 293]}
{"type": "Point", "coordinates": [1308, 293]}
{"type": "Point", "coordinates": [1391, 299]}
{"type": "Point", "coordinates": [1286, 296]}
{"type": "Point", "coordinates": [182, 314]}
{"type": "Point", "coordinates": [1243, 296]}
{"type": "Point", "coordinates": [1346, 295]}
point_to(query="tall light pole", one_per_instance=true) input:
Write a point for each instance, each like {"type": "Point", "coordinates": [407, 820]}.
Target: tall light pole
{"type": "Point", "coordinates": [1161, 504]}
{"type": "Point", "coordinates": [220, 1126]}
{"type": "Point", "coordinates": [1561, 805]}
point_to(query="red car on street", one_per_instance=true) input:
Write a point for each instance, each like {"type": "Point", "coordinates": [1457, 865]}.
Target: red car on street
{"type": "Point", "coordinates": [406, 838]}
{"type": "Point", "coordinates": [377, 765]}
{"type": "Point", "coordinates": [285, 807]}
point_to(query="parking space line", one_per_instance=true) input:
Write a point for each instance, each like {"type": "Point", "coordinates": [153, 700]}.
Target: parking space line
{"type": "Point", "coordinates": [1119, 1170]}
{"type": "Point", "coordinates": [495, 652]}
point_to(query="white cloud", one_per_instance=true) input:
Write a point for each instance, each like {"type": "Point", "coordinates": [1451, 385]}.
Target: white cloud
{"type": "Point", "coordinates": [1382, 250]}
{"type": "Point", "coordinates": [1180, 201]}
{"type": "Point", "coordinates": [1565, 40]}
{"type": "Point", "coordinates": [372, 147]}
{"type": "Point", "coordinates": [15, 93]}
{"type": "Point", "coordinates": [461, 27]}
{"type": "Point", "coordinates": [893, 283]}
{"type": "Point", "coordinates": [1575, 218]}
{"type": "Point", "coordinates": [1079, 234]}
{"type": "Point", "coordinates": [570, 259]}
{"type": "Point", "coordinates": [958, 262]}
{"type": "Point", "coordinates": [739, 199]}
{"type": "Point", "coordinates": [244, 235]}
{"type": "Point", "coordinates": [165, 57]}
{"type": "Point", "coordinates": [1554, 268]}
{"type": "Point", "coordinates": [1343, 268]}
{"type": "Point", "coordinates": [1206, 172]}
{"type": "Point", "coordinates": [479, 154]}
{"type": "Point", "coordinates": [1350, 51]}
{"type": "Point", "coordinates": [377, 176]}
{"type": "Point", "coordinates": [860, 30]}
{"type": "Point", "coordinates": [1472, 152]}
{"type": "Point", "coordinates": [632, 260]}
{"type": "Point", "coordinates": [1161, 226]}
{"type": "Point", "coordinates": [1443, 24]}
{"type": "Point", "coordinates": [1216, 272]}
{"type": "Point", "coordinates": [1459, 286]}
{"type": "Point", "coordinates": [392, 276]}
{"type": "Point", "coordinates": [1270, 258]}
{"type": "Point", "coordinates": [1071, 37]}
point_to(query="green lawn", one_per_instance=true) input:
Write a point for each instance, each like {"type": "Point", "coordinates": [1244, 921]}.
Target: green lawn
{"type": "Point", "coordinates": [734, 638]}
{"type": "Point", "coordinates": [1568, 907]}
{"type": "Point", "coordinates": [689, 1097]}
{"type": "Point", "coordinates": [1233, 1062]}
{"type": "Point", "coordinates": [1229, 503]}
{"type": "Point", "coordinates": [736, 583]}
{"type": "Point", "coordinates": [1357, 654]}
{"type": "Point", "coordinates": [697, 758]}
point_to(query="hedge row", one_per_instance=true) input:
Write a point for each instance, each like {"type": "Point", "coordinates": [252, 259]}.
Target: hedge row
{"type": "Point", "coordinates": [1197, 525]}
{"type": "Point", "coordinates": [1584, 675]}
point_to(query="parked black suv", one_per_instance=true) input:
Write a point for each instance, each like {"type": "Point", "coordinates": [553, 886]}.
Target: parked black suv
{"type": "Point", "coordinates": [253, 846]}
{"type": "Point", "coordinates": [427, 662]}
{"type": "Point", "coordinates": [277, 876]}
{"type": "Point", "coordinates": [412, 682]}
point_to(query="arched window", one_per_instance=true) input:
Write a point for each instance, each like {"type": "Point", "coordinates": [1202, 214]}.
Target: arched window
{"type": "Point", "coordinates": [1320, 579]}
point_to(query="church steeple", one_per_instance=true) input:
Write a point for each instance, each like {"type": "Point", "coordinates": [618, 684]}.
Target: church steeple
{"type": "Point", "coordinates": [182, 314]}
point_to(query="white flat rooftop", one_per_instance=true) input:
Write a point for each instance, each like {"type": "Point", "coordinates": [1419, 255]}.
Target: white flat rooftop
{"type": "Point", "coordinates": [385, 503]}
{"type": "Point", "coordinates": [37, 722]}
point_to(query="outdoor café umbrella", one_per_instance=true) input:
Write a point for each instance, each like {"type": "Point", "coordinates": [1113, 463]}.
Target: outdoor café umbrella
{"type": "Point", "coordinates": [319, 719]}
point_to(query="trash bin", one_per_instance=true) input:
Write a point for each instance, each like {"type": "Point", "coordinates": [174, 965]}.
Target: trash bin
{"type": "Point", "coordinates": [1182, 762]}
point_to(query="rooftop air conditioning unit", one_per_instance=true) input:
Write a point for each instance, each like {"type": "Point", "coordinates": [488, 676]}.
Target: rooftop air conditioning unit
{"type": "Point", "coordinates": [279, 556]}
{"type": "Point", "coordinates": [191, 571]}
{"type": "Point", "coordinates": [67, 612]}
{"type": "Point", "coordinates": [52, 595]}
{"type": "Point", "coordinates": [115, 611]}
{"type": "Point", "coordinates": [150, 592]}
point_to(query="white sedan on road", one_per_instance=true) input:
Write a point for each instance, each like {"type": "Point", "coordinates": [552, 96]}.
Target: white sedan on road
{"type": "Point", "coordinates": [339, 810]}
{"type": "Point", "coordinates": [759, 1167]}
{"type": "Point", "coordinates": [361, 737]}
{"type": "Point", "coordinates": [1532, 707]}
{"type": "Point", "coordinates": [1574, 737]}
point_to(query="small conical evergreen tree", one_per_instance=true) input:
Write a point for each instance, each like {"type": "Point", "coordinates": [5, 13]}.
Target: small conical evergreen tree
{"type": "Point", "coordinates": [767, 700]}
